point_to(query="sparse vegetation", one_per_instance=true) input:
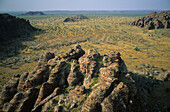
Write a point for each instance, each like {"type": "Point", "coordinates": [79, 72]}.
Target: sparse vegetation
{"type": "Point", "coordinates": [102, 32]}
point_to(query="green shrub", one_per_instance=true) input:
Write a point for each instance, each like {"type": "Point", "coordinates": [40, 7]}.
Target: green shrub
{"type": "Point", "coordinates": [136, 49]}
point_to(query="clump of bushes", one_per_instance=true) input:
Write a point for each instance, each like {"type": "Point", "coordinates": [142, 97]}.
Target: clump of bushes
{"type": "Point", "coordinates": [136, 49]}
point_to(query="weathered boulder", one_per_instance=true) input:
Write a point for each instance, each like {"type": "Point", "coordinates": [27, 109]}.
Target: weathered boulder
{"type": "Point", "coordinates": [118, 100]}
{"type": "Point", "coordinates": [37, 77]}
{"type": "Point", "coordinates": [59, 70]}
{"type": "Point", "coordinates": [74, 53]}
{"type": "Point", "coordinates": [45, 58]}
{"type": "Point", "coordinates": [45, 90]}
{"type": "Point", "coordinates": [22, 102]}
{"type": "Point", "coordinates": [88, 66]}
{"type": "Point", "coordinates": [41, 73]}
{"type": "Point", "coordinates": [57, 78]}
{"type": "Point", "coordinates": [58, 75]}
{"type": "Point", "coordinates": [53, 62]}
{"type": "Point", "coordinates": [93, 54]}
{"type": "Point", "coordinates": [109, 75]}
{"type": "Point", "coordinates": [22, 80]}
{"type": "Point", "coordinates": [108, 79]}
{"type": "Point", "coordinates": [110, 58]}
{"type": "Point", "coordinates": [114, 57]}
{"type": "Point", "coordinates": [75, 75]}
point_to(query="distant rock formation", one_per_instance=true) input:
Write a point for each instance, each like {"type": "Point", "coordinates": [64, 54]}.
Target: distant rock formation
{"type": "Point", "coordinates": [78, 82]}
{"type": "Point", "coordinates": [76, 18]}
{"type": "Point", "coordinates": [34, 13]}
{"type": "Point", "coordinates": [154, 20]}
{"type": "Point", "coordinates": [12, 27]}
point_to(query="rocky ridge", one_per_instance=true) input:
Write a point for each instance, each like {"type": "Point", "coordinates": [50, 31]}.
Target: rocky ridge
{"type": "Point", "coordinates": [75, 18]}
{"type": "Point", "coordinates": [12, 27]}
{"type": "Point", "coordinates": [154, 20]}
{"type": "Point", "coordinates": [34, 13]}
{"type": "Point", "coordinates": [78, 82]}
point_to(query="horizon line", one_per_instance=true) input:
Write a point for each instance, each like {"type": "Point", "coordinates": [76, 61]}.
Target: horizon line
{"type": "Point", "coordinates": [87, 10]}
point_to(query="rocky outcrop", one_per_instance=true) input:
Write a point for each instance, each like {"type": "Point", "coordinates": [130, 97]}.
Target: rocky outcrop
{"type": "Point", "coordinates": [39, 104]}
{"type": "Point", "coordinates": [22, 102]}
{"type": "Point", "coordinates": [10, 89]}
{"type": "Point", "coordinates": [12, 27]}
{"type": "Point", "coordinates": [76, 18]}
{"type": "Point", "coordinates": [108, 79]}
{"type": "Point", "coordinates": [88, 66]}
{"type": "Point", "coordinates": [74, 53]}
{"type": "Point", "coordinates": [75, 75]}
{"type": "Point", "coordinates": [154, 20]}
{"type": "Point", "coordinates": [40, 74]}
{"type": "Point", "coordinates": [78, 82]}
{"type": "Point", "coordinates": [34, 13]}
{"type": "Point", "coordinates": [22, 81]}
{"type": "Point", "coordinates": [69, 19]}
{"type": "Point", "coordinates": [117, 101]}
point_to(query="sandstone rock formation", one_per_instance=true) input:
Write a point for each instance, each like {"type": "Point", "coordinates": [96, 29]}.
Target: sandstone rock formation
{"type": "Point", "coordinates": [76, 18]}
{"type": "Point", "coordinates": [154, 20]}
{"type": "Point", "coordinates": [9, 90]}
{"type": "Point", "coordinates": [78, 82]}
{"type": "Point", "coordinates": [12, 27]}
{"type": "Point", "coordinates": [34, 13]}
{"type": "Point", "coordinates": [88, 66]}
{"type": "Point", "coordinates": [22, 102]}
{"type": "Point", "coordinates": [75, 76]}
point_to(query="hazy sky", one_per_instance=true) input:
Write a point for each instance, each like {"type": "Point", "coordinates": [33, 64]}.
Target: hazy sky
{"type": "Point", "coordinates": [32, 5]}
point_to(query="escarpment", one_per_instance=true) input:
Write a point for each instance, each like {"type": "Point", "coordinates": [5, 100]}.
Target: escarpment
{"type": "Point", "coordinates": [154, 20]}
{"type": "Point", "coordinates": [78, 82]}
{"type": "Point", "coordinates": [12, 27]}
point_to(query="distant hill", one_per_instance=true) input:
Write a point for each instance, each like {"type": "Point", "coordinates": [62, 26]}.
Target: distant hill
{"type": "Point", "coordinates": [154, 20]}
{"type": "Point", "coordinates": [78, 17]}
{"type": "Point", "coordinates": [34, 13]}
{"type": "Point", "coordinates": [12, 27]}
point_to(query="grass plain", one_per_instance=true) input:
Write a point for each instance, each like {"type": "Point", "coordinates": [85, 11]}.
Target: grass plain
{"type": "Point", "coordinates": [103, 32]}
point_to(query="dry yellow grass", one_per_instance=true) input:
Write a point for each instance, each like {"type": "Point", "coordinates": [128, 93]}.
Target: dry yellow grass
{"type": "Point", "coordinates": [102, 33]}
{"type": "Point", "coordinates": [7, 72]}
